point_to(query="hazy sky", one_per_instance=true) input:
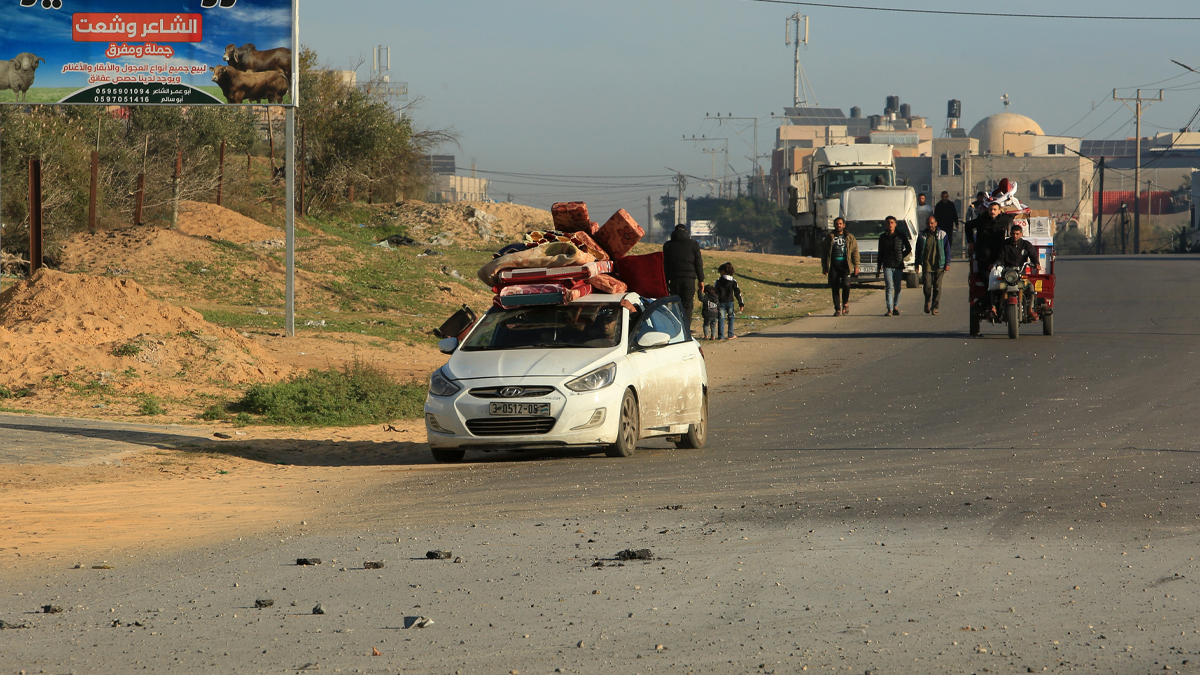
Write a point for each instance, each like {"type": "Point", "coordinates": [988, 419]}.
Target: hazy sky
{"type": "Point", "coordinates": [609, 87]}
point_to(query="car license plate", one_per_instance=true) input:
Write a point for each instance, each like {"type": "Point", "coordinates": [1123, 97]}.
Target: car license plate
{"type": "Point", "coordinates": [866, 268]}
{"type": "Point", "coordinates": [532, 409]}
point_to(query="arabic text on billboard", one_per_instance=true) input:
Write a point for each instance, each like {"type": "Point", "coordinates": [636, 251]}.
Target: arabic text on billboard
{"type": "Point", "coordinates": [132, 52]}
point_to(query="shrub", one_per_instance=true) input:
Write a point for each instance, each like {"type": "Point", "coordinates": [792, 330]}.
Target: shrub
{"type": "Point", "coordinates": [149, 404]}
{"type": "Point", "coordinates": [127, 349]}
{"type": "Point", "coordinates": [356, 395]}
{"type": "Point", "coordinates": [215, 412]}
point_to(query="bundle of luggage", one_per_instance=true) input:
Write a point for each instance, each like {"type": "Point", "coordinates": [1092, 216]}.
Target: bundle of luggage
{"type": "Point", "coordinates": [576, 258]}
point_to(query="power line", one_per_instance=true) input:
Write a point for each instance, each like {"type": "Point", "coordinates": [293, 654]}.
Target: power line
{"type": "Point", "coordinates": [902, 10]}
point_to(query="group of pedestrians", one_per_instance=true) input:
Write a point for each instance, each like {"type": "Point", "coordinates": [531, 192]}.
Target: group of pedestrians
{"type": "Point", "coordinates": [683, 264]}
{"type": "Point", "coordinates": [841, 260]}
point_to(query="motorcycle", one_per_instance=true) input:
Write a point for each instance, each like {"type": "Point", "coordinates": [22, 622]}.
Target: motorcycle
{"type": "Point", "coordinates": [1013, 296]}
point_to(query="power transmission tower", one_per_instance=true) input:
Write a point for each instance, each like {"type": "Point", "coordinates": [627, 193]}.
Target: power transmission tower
{"type": "Point", "coordinates": [803, 88]}
{"type": "Point", "coordinates": [1137, 162]}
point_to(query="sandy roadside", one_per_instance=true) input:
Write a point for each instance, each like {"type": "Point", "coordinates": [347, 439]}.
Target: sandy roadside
{"type": "Point", "coordinates": [159, 499]}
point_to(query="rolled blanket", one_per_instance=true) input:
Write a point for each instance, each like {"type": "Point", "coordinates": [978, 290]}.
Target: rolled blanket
{"type": "Point", "coordinates": [553, 254]}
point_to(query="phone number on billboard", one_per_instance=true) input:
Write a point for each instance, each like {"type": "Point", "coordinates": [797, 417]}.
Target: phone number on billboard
{"type": "Point", "coordinates": [121, 96]}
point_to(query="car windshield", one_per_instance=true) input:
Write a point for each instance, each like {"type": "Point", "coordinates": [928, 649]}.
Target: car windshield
{"type": "Point", "coordinates": [579, 325]}
{"type": "Point", "coordinates": [871, 229]}
{"type": "Point", "coordinates": [838, 181]}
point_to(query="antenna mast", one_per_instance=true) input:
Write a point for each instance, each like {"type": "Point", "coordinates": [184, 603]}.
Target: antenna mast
{"type": "Point", "coordinates": [803, 90]}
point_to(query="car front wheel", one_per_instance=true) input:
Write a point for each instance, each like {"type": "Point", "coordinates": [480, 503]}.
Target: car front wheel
{"type": "Point", "coordinates": [697, 433]}
{"type": "Point", "coordinates": [628, 428]}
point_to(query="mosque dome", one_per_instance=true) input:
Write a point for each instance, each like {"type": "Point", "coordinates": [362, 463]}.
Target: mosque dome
{"type": "Point", "coordinates": [990, 131]}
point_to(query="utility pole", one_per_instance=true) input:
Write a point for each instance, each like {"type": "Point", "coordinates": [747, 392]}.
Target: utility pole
{"type": "Point", "coordinates": [649, 212]}
{"type": "Point", "coordinates": [1100, 220]}
{"type": "Point", "coordinates": [1137, 162]}
{"type": "Point", "coordinates": [724, 120]}
{"type": "Point", "coordinates": [802, 86]}
{"type": "Point", "coordinates": [680, 202]}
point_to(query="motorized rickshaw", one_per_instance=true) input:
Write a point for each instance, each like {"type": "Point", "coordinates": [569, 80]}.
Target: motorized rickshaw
{"type": "Point", "coordinates": [1025, 296]}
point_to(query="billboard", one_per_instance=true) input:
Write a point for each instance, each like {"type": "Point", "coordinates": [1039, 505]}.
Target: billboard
{"type": "Point", "coordinates": [147, 52]}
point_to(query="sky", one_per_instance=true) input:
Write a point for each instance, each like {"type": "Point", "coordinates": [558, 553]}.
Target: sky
{"type": "Point", "coordinates": [592, 100]}
{"type": "Point", "coordinates": [47, 33]}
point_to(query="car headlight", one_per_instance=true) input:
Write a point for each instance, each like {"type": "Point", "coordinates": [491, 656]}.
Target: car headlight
{"type": "Point", "coordinates": [440, 385]}
{"type": "Point", "coordinates": [597, 379]}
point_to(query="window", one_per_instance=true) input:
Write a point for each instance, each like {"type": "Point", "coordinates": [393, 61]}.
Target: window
{"type": "Point", "coordinates": [577, 325]}
{"type": "Point", "coordinates": [925, 188]}
{"type": "Point", "coordinates": [945, 165]}
{"type": "Point", "coordinates": [666, 318]}
{"type": "Point", "coordinates": [1033, 190]}
{"type": "Point", "coordinates": [1056, 149]}
{"type": "Point", "coordinates": [958, 165]}
{"type": "Point", "coordinates": [1052, 189]}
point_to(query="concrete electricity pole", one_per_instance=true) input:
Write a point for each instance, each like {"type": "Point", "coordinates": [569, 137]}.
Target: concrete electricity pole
{"type": "Point", "coordinates": [1137, 162]}
{"type": "Point", "coordinates": [680, 203]}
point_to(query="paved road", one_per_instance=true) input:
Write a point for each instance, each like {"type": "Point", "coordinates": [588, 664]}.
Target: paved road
{"type": "Point", "coordinates": [40, 439]}
{"type": "Point", "coordinates": [901, 498]}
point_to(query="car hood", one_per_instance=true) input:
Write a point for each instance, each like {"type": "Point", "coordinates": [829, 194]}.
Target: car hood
{"type": "Point", "coordinates": [562, 362]}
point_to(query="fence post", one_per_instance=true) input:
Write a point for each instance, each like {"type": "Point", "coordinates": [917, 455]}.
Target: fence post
{"type": "Point", "coordinates": [141, 198]}
{"type": "Point", "coordinates": [247, 166]}
{"type": "Point", "coordinates": [92, 193]}
{"type": "Point", "coordinates": [221, 174]}
{"type": "Point", "coordinates": [175, 186]}
{"type": "Point", "coordinates": [350, 194]}
{"type": "Point", "coordinates": [35, 215]}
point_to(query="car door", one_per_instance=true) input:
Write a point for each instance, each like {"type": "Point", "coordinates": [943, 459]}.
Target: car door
{"type": "Point", "coordinates": [668, 376]}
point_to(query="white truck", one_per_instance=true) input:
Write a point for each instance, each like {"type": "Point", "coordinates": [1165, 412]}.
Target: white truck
{"type": "Point", "coordinates": [865, 210]}
{"type": "Point", "coordinates": [815, 194]}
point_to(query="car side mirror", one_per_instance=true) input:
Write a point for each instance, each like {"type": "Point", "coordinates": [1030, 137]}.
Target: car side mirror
{"type": "Point", "coordinates": [653, 339]}
{"type": "Point", "coordinates": [448, 345]}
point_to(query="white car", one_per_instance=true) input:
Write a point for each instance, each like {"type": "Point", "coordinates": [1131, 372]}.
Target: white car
{"type": "Point", "coordinates": [589, 373]}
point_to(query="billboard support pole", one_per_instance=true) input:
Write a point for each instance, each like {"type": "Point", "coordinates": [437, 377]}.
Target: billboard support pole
{"type": "Point", "coordinates": [221, 174]}
{"type": "Point", "coordinates": [290, 180]}
{"type": "Point", "coordinates": [92, 196]}
{"type": "Point", "coordinates": [35, 215]}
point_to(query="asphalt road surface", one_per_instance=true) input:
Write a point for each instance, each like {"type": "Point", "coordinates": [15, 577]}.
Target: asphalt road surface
{"type": "Point", "coordinates": [880, 494]}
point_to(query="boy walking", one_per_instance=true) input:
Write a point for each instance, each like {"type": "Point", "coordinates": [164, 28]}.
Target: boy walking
{"type": "Point", "coordinates": [727, 291]}
{"type": "Point", "coordinates": [710, 310]}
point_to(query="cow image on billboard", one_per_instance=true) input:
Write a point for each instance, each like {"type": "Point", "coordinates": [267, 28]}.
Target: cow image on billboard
{"type": "Point", "coordinates": [131, 52]}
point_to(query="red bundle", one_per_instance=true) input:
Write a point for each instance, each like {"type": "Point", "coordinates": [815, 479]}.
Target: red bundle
{"type": "Point", "coordinates": [620, 234]}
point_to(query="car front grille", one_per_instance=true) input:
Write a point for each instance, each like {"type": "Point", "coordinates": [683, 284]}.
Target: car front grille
{"type": "Point", "coordinates": [525, 392]}
{"type": "Point", "coordinates": [510, 426]}
{"type": "Point", "coordinates": [868, 258]}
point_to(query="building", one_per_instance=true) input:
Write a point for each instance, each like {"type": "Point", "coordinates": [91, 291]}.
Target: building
{"type": "Point", "coordinates": [447, 186]}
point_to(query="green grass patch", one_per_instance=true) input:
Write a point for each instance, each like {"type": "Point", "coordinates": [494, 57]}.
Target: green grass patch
{"type": "Point", "coordinates": [149, 404]}
{"type": "Point", "coordinates": [5, 392]}
{"type": "Point", "coordinates": [358, 394]}
{"type": "Point", "coordinates": [127, 349]}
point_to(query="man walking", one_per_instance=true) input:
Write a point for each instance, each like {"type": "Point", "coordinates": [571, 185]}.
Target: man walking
{"type": "Point", "coordinates": [839, 256]}
{"type": "Point", "coordinates": [893, 249]}
{"type": "Point", "coordinates": [684, 267]}
{"type": "Point", "coordinates": [946, 214]}
{"type": "Point", "coordinates": [933, 255]}
{"type": "Point", "coordinates": [924, 210]}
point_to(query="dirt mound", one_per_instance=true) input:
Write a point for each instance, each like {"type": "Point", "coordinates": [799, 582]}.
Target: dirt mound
{"type": "Point", "coordinates": [201, 219]}
{"type": "Point", "coordinates": [470, 224]}
{"type": "Point", "coordinates": [64, 333]}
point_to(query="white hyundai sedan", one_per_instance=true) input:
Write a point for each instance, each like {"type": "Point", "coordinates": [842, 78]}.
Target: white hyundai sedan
{"type": "Point", "coordinates": [605, 370]}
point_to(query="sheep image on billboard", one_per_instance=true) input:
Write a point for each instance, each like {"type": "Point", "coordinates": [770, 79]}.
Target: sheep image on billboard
{"type": "Point", "coordinates": [131, 52]}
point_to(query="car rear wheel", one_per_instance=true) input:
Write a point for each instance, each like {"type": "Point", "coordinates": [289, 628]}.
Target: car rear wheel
{"type": "Point", "coordinates": [912, 279]}
{"type": "Point", "coordinates": [697, 433]}
{"type": "Point", "coordinates": [448, 455]}
{"type": "Point", "coordinates": [628, 428]}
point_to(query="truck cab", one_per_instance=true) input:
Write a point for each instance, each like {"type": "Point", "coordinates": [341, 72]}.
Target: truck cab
{"type": "Point", "coordinates": [815, 194]}
{"type": "Point", "coordinates": [865, 210]}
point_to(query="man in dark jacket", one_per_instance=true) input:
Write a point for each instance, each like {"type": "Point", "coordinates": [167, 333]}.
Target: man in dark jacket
{"type": "Point", "coordinates": [985, 236]}
{"type": "Point", "coordinates": [1017, 251]}
{"type": "Point", "coordinates": [684, 267]}
{"type": "Point", "coordinates": [894, 247]}
{"type": "Point", "coordinates": [946, 214]}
